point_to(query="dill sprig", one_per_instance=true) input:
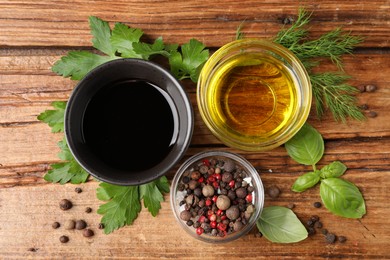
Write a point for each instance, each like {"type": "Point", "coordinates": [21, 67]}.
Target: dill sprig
{"type": "Point", "coordinates": [330, 89]}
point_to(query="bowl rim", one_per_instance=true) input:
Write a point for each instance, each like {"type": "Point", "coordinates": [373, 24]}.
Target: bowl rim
{"type": "Point", "coordinates": [299, 73]}
{"type": "Point", "coordinates": [183, 96]}
{"type": "Point", "coordinates": [259, 204]}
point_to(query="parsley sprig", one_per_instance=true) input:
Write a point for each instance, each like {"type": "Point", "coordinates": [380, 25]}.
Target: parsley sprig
{"type": "Point", "coordinates": [122, 203]}
{"type": "Point", "coordinates": [125, 42]}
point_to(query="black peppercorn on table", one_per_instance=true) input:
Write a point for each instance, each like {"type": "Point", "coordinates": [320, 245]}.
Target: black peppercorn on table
{"type": "Point", "coordinates": [36, 34]}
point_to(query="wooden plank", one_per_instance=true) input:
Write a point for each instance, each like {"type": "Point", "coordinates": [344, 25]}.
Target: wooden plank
{"type": "Point", "coordinates": [65, 23]}
{"type": "Point", "coordinates": [28, 212]}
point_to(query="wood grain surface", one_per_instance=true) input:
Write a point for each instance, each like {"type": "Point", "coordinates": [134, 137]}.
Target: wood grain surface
{"type": "Point", "coordinates": [34, 34]}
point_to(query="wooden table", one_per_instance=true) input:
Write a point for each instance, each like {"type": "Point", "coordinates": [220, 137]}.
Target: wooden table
{"type": "Point", "coordinates": [34, 34]}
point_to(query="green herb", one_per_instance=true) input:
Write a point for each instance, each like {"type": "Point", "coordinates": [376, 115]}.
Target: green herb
{"type": "Point", "coordinates": [342, 198]}
{"type": "Point", "coordinates": [329, 89]}
{"type": "Point", "coordinates": [67, 171]}
{"type": "Point", "coordinates": [123, 202]}
{"type": "Point", "coordinates": [54, 118]}
{"type": "Point", "coordinates": [333, 170]}
{"type": "Point", "coordinates": [306, 181]}
{"type": "Point", "coordinates": [307, 146]}
{"type": "Point", "coordinates": [281, 225]}
{"type": "Point", "coordinates": [124, 42]}
{"type": "Point", "coordinates": [188, 63]}
{"type": "Point", "coordinates": [339, 196]}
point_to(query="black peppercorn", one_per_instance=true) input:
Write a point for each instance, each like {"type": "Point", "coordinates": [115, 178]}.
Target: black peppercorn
{"type": "Point", "coordinates": [324, 231]}
{"type": "Point", "coordinates": [342, 239]}
{"type": "Point", "coordinates": [65, 204]}
{"type": "Point", "coordinates": [273, 192]}
{"type": "Point", "coordinates": [101, 226]}
{"type": "Point", "coordinates": [64, 239]}
{"type": "Point", "coordinates": [80, 224]}
{"type": "Point", "coordinates": [55, 225]}
{"type": "Point", "coordinates": [311, 231]}
{"type": "Point", "coordinates": [78, 190]}
{"type": "Point", "coordinates": [317, 204]}
{"type": "Point", "coordinates": [87, 232]}
{"type": "Point", "coordinates": [88, 210]}
{"type": "Point", "coordinates": [370, 88]}
{"type": "Point", "coordinates": [330, 238]}
{"type": "Point", "coordinates": [190, 222]}
{"type": "Point", "coordinates": [291, 205]}
{"type": "Point", "coordinates": [318, 224]}
{"type": "Point", "coordinates": [241, 192]}
{"type": "Point", "coordinates": [229, 165]}
{"type": "Point", "coordinates": [372, 114]}
{"type": "Point", "coordinates": [186, 179]}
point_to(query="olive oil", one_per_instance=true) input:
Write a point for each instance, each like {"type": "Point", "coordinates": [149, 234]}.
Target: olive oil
{"type": "Point", "coordinates": [251, 96]}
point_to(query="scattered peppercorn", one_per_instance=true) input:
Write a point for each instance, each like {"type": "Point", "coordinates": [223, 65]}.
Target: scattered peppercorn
{"type": "Point", "coordinates": [372, 114]}
{"type": "Point", "coordinates": [318, 224]}
{"type": "Point", "coordinates": [65, 204]}
{"type": "Point", "coordinates": [78, 190]}
{"type": "Point", "coordinates": [291, 205]}
{"type": "Point", "coordinates": [361, 88]}
{"type": "Point", "coordinates": [64, 239]}
{"type": "Point", "coordinates": [330, 238]}
{"type": "Point", "coordinates": [342, 239]}
{"type": "Point", "coordinates": [101, 226]}
{"type": "Point", "coordinates": [363, 107]}
{"type": "Point", "coordinates": [274, 192]}
{"type": "Point", "coordinates": [88, 232]}
{"type": "Point", "coordinates": [55, 225]}
{"type": "Point", "coordinates": [317, 204]}
{"type": "Point", "coordinates": [259, 234]}
{"type": "Point", "coordinates": [69, 224]}
{"type": "Point", "coordinates": [370, 88]}
{"type": "Point", "coordinates": [32, 249]}
{"type": "Point", "coordinates": [88, 210]}
{"type": "Point", "coordinates": [80, 224]}
{"type": "Point", "coordinates": [324, 231]}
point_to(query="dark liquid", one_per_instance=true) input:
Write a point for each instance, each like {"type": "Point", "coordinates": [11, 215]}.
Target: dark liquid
{"type": "Point", "coordinates": [130, 125]}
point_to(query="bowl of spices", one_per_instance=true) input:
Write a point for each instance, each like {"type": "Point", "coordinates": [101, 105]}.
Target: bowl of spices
{"type": "Point", "coordinates": [217, 196]}
{"type": "Point", "coordinates": [254, 94]}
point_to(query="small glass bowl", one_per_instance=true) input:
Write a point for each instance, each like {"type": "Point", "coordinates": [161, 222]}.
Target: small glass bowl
{"type": "Point", "coordinates": [274, 109]}
{"type": "Point", "coordinates": [217, 159]}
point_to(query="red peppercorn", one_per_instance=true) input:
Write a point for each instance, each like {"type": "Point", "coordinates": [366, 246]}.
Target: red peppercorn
{"type": "Point", "coordinates": [209, 202]}
{"type": "Point", "coordinates": [206, 162]}
{"type": "Point", "coordinates": [210, 212]}
{"type": "Point", "coordinates": [221, 226]}
{"type": "Point", "coordinates": [213, 224]}
{"type": "Point", "coordinates": [215, 185]}
{"type": "Point", "coordinates": [218, 176]}
{"type": "Point", "coordinates": [211, 179]}
{"type": "Point", "coordinates": [248, 198]}
{"type": "Point", "coordinates": [223, 217]}
{"type": "Point", "coordinates": [220, 212]}
{"type": "Point", "coordinates": [201, 179]}
{"type": "Point", "coordinates": [213, 217]}
{"type": "Point", "coordinates": [215, 197]}
{"type": "Point", "coordinates": [232, 183]}
{"type": "Point", "coordinates": [201, 219]}
{"type": "Point", "coordinates": [199, 231]}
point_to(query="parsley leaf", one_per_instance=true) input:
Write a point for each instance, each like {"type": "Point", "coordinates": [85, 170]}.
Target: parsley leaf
{"type": "Point", "coordinates": [68, 171]}
{"type": "Point", "coordinates": [54, 118]}
{"type": "Point", "coordinates": [158, 47]}
{"type": "Point", "coordinates": [152, 196]}
{"type": "Point", "coordinates": [122, 207]}
{"type": "Point", "coordinates": [187, 64]}
{"type": "Point", "coordinates": [76, 64]}
{"type": "Point", "coordinates": [102, 33]}
{"type": "Point", "coordinates": [122, 40]}
{"type": "Point", "coordinates": [123, 202]}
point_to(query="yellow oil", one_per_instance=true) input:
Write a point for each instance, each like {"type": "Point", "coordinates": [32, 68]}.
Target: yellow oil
{"type": "Point", "coordinates": [251, 96]}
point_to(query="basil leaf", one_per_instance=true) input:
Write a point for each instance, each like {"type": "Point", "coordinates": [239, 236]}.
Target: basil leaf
{"type": "Point", "coordinates": [307, 146]}
{"type": "Point", "coordinates": [335, 169]}
{"type": "Point", "coordinates": [342, 198]}
{"type": "Point", "coordinates": [281, 225]}
{"type": "Point", "coordinates": [306, 181]}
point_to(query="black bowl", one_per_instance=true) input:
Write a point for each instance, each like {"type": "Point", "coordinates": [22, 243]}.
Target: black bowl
{"type": "Point", "coordinates": [109, 74]}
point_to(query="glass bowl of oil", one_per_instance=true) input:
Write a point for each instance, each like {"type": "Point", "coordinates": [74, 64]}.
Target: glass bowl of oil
{"type": "Point", "coordinates": [253, 94]}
